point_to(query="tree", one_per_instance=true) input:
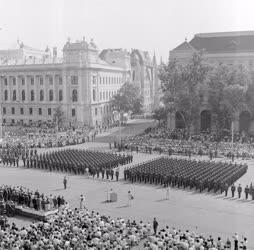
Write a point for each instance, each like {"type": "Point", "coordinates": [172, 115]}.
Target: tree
{"type": "Point", "coordinates": [58, 117]}
{"type": "Point", "coordinates": [227, 94]}
{"type": "Point", "coordinates": [182, 87]}
{"type": "Point", "coordinates": [160, 114]}
{"type": "Point", "coordinates": [128, 99]}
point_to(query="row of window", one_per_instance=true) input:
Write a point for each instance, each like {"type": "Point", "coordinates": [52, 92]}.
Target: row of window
{"type": "Point", "coordinates": [31, 111]}
{"type": "Point", "coordinates": [59, 79]}
{"type": "Point", "coordinates": [41, 95]}
{"type": "Point", "coordinates": [104, 110]}
{"type": "Point", "coordinates": [108, 80]}
{"type": "Point", "coordinates": [41, 80]}
{"type": "Point", "coordinates": [105, 95]}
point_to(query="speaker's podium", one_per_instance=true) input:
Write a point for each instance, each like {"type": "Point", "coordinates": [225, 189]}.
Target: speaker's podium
{"type": "Point", "coordinates": [112, 197]}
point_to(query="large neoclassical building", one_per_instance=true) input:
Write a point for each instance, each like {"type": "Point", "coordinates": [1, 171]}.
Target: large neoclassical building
{"type": "Point", "coordinates": [233, 48]}
{"type": "Point", "coordinates": [33, 83]}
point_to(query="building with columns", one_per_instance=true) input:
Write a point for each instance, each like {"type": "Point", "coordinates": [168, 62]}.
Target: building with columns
{"type": "Point", "coordinates": [232, 48]}
{"type": "Point", "coordinates": [34, 83]}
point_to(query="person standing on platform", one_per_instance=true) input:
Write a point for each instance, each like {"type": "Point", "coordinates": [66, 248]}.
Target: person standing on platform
{"type": "Point", "coordinates": [65, 182]}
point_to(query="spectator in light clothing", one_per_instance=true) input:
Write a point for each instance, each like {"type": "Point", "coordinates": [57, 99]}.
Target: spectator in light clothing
{"type": "Point", "coordinates": [130, 198]}
{"type": "Point", "coordinates": [82, 202]}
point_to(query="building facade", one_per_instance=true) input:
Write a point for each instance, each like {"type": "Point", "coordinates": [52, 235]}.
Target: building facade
{"type": "Point", "coordinates": [144, 74]}
{"type": "Point", "coordinates": [34, 83]}
{"type": "Point", "coordinates": [232, 48]}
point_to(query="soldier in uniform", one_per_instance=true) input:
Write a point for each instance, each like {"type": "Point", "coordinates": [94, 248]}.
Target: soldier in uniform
{"type": "Point", "coordinates": [239, 190]}
{"type": "Point", "coordinates": [233, 190]}
{"type": "Point", "coordinates": [65, 182]}
{"type": "Point", "coordinates": [246, 190]}
{"type": "Point", "coordinates": [226, 189]}
{"type": "Point", "coordinates": [117, 174]}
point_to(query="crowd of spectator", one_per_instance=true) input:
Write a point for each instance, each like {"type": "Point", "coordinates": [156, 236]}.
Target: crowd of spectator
{"type": "Point", "coordinates": [75, 229]}
{"type": "Point", "coordinates": [173, 239]}
{"type": "Point", "coordinates": [44, 139]}
{"type": "Point", "coordinates": [160, 139]}
{"type": "Point", "coordinates": [21, 196]}
{"type": "Point", "coordinates": [83, 229]}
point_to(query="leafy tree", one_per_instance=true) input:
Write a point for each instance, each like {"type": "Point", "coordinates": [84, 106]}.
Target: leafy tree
{"type": "Point", "coordinates": [128, 99]}
{"type": "Point", "coordinates": [160, 114]}
{"type": "Point", "coordinates": [58, 117]}
{"type": "Point", "coordinates": [227, 87]}
{"type": "Point", "coordinates": [183, 86]}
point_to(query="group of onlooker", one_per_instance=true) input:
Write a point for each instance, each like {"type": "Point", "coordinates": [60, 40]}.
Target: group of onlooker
{"type": "Point", "coordinates": [47, 140]}
{"type": "Point", "coordinates": [75, 229]}
{"type": "Point", "coordinates": [173, 239]}
{"type": "Point", "coordinates": [84, 229]}
{"type": "Point", "coordinates": [162, 140]}
{"type": "Point", "coordinates": [21, 196]}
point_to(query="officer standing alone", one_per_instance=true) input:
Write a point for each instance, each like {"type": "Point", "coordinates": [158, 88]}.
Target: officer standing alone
{"type": "Point", "coordinates": [65, 182]}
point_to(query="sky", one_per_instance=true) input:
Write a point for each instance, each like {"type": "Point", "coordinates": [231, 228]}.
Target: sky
{"type": "Point", "coordinates": [153, 25]}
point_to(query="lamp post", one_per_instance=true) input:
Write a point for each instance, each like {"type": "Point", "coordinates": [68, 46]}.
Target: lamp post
{"type": "Point", "coordinates": [232, 136]}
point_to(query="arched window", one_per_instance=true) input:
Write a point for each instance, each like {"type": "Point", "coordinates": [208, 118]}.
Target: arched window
{"type": "Point", "coordinates": [6, 95]}
{"type": "Point", "coordinates": [23, 95]}
{"type": "Point", "coordinates": [60, 95]}
{"type": "Point", "coordinates": [41, 95]}
{"type": "Point", "coordinates": [14, 95]}
{"type": "Point", "coordinates": [51, 95]}
{"type": "Point", "coordinates": [32, 95]}
{"type": "Point", "coordinates": [94, 95]}
{"type": "Point", "coordinates": [74, 95]}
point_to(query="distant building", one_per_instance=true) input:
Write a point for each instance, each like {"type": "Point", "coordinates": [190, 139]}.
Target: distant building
{"type": "Point", "coordinates": [233, 48]}
{"type": "Point", "coordinates": [34, 83]}
{"type": "Point", "coordinates": [144, 74]}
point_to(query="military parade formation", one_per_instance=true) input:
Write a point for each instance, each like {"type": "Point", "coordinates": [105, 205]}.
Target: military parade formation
{"type": "Point", "coordinates": [186, 173]}
{"type": "Point", "coordinates": [78, 162]}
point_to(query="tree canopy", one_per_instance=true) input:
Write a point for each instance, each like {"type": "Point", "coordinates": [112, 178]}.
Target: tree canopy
{"type": "Point", "coordinates": [128, 99]}
{"type": "Point", "coordinates": [223, 89]}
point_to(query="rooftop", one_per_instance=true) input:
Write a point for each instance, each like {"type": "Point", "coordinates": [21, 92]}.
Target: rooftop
{"type": "Point", "coordinates": [221, 42]}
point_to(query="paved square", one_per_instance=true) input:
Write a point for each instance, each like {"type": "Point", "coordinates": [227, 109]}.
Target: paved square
{"type": "Point", "coordinates": [206, 212]}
